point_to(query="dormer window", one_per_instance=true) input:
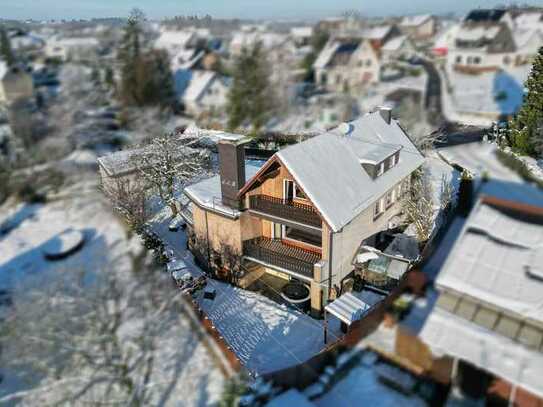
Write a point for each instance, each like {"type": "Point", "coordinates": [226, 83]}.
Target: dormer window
{"type": "Point", "coordinates": [381, 169]}
{"type": "Point", "coordinates": [393, 161]}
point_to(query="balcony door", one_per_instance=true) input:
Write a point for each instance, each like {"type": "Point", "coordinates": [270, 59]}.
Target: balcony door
{"type": "Point", "coordinates": [288, 190]}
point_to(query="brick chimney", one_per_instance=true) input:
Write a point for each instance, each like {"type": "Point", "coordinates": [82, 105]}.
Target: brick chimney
{"type": "Point", "coordinates": [232, 168]}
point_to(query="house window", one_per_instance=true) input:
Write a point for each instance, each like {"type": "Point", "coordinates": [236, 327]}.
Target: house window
{"type": "Point", "coordinates": [389, 198]}
{"type": "Point", "coordinates": [477, 60]}
{"type": "Point", "coordinates": [506, 60]}
{"type": "Point", "coordinates": [379, 207]}
{"type": "Point", "coordinates": [381, 169]}
{"type": "Point", "coordinates": [298, 193]}
{"type": "Point", "coordinates": [368, 62]}
{"type": "Point", "coordinates": [313, 238]}
{"type": "Point", "coordinates": [399, 190]}
{"type": "Point", "coordinates": [338, 79]}
{"type": "Point", "coordinates": [393, 161]}
{"type": "Point", "coordinates": [459, 59]}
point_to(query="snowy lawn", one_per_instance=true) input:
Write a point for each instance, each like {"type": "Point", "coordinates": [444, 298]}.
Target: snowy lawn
{"type": "Point", "coordinates": [266, 336]}
{"type": "Point", "coordinates": [183, 357]}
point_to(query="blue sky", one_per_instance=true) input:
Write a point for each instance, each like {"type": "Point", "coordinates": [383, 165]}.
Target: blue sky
{"type": "Point", "coordinates": [294, 9]}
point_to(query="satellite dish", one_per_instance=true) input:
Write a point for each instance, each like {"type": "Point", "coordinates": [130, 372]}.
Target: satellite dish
{"type": "Point", "coordinates": [345, 128]}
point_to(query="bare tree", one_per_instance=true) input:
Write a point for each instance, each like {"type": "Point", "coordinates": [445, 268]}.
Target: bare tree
{"type": "Point", "coordinates": [418, 205]}
{"type": "Point", "coordinates": [129, 198]}
{"type": "Point", "coordinates": [90, 344]}
{"type": "Point", "coordinates": [168, 164]}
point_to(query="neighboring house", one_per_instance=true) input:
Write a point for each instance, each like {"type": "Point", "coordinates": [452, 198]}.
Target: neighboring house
{"type": "Point", "coordinates": [398, 48]}
{"type": "Point", "coordinates": [25, 42]}
{"type": "Point", "coordinates": [347, 63]}
{"type": "Point", "coordinates": [488, 312]}
{"type": "Point", "coordinates": [248, 39]}
{"type": "Point", "coordinates": [496, 39]}
{"type": "Point", "coordinates": [301, 35]}
{"type": "Point", "coordinates": [419, 27]}
{"type": "Point", "coordinates": [72, 48]}
{"type": "Point", "coordinates": [15, 83]}
{"type": "Point", "coordinates": [176, 41]}
{"type": "Point", "coordinates": [118, 167]}
{"type": "Point", "coordinates": [205, 92]}
{"type": "Point", "coordinates": [355, 60]}
{"type": "Point", "coordinates": [305, 212]}
{"type": "Point", "coordinates": [480, 47]}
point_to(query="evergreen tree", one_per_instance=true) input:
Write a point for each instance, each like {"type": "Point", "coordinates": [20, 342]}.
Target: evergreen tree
{"type": "Point", "coordinates": [146, 77]}
{"type": "Point", "coordinates": [526, 131]}
{"type": "Point", "coordinates": [130, 58]}
{"type": "Point", "coordinates": [5, 47]}
{"type": "Point", "coordinates": [250, 97]}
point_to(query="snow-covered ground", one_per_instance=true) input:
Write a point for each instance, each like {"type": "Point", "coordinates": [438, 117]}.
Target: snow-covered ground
{"type": "Point", "coordinates": [265, 335]}
{"type": "Point", "coordinates": [182, 353]}
{"type": "Point", "coordinates": [475, 99]}
{"type": "Point", "coordinates": [478, 158]}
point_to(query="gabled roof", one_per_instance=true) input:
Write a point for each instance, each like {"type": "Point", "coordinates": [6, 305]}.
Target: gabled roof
{"type": "Point", "coordinates": [329, 167]}
{"type": "Point", "coordinates": [498, 257]}
{"type": "Point", "coordinates": [415, 21]}
{"type": "Point", "coordinates": [395, 44]}
{"type": "Point", "coordinates": [485, 15]}
{"type": "Point", "coordinates": [326, 54]}
{"type": "Point", "coordinates": [199, 82]}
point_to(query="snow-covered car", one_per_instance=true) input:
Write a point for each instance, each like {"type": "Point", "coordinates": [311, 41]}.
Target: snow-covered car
{"type": "Point", "coordinates": [176, 265]}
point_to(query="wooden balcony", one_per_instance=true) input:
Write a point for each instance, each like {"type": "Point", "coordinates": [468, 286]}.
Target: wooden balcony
{"type": "Point", "coordinates": [292, 259]}
{"type": "Point", "coordinates": [284, 209]}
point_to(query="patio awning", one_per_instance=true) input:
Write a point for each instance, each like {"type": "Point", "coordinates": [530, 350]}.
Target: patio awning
{"type": "Point", "coordinates": [365, 257]}
{"type": "Point", "coordinates": [347, 308]}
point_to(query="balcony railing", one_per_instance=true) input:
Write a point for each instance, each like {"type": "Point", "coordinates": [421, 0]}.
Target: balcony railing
{"type": "Point", "coordinates": [275, 253]}
{"type": "Point", "coordinates": [285, 209]}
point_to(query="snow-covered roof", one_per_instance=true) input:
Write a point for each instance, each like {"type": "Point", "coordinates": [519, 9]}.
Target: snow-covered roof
{"type": "Point", "coordinates": [446, 38]}
{"type": "Point", "coordinates": [376, 33]}
{"type": "Point", "coordinates": [332, 162]}
{"type": "Point", "coordinates": [449, 334]}
{"type": "Point", "coordinates": [347, 308]}
{"type": "Point", "coordinates": [174, 39]}
{"type": "Point", "coordinates": [528, 39]}
{"type": "Point", "coordinates": [395, 44]}
{"type": "Point", "coordinates": [326, 54]}
{"type": "Point", "coordinates": [249, 39]}
{"type": "Point", "coordinates": [26, 41]}
{"type": "Point", "coordinates": [497, 259]}
{"type": "Point", "coordinates": [76, 42]}
{"type": "Point", "coordinates": [533, 19]}
{"type": "Point", "coordinates": [478, 32]}
{"type": "Point", "coordinates": [120, 162]}
{"type": "Point", "coordinates": [199, 82]}
{"type": "Point", "coordinates": [207, 193]}
{"type": "Point", "coordinates": [415, 21]}
{"type": "Point", "coordinates": [301, 32]}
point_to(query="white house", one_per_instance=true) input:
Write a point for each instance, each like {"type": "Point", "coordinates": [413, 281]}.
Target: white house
{"type": "Point", "coordinates": [15, 83]}
{"type": "Point", "coordinates": [72, 48]}
{"type": "Point", "coordinates": [419, 27]}
{"type": "Point", "coordinates": [401, 47]}
{"type": "Point", "coordinates": [344, 64]}
{"type": "Point", "coordinates": [202, 91]}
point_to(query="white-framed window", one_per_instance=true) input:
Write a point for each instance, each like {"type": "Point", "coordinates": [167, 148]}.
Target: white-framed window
{"type": "Point", "coordinates": [389, 198]}
{"type": "Point", "coordinates": [379, 207]}
{"type": "Point", "coordinates": [399, 190]}
{"type": "Point", "coordinates": [298, 193]}
{"type": "Point", "coordinates": [393, 161]}
{"type": "Point", "coordinates": [381, 169]}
